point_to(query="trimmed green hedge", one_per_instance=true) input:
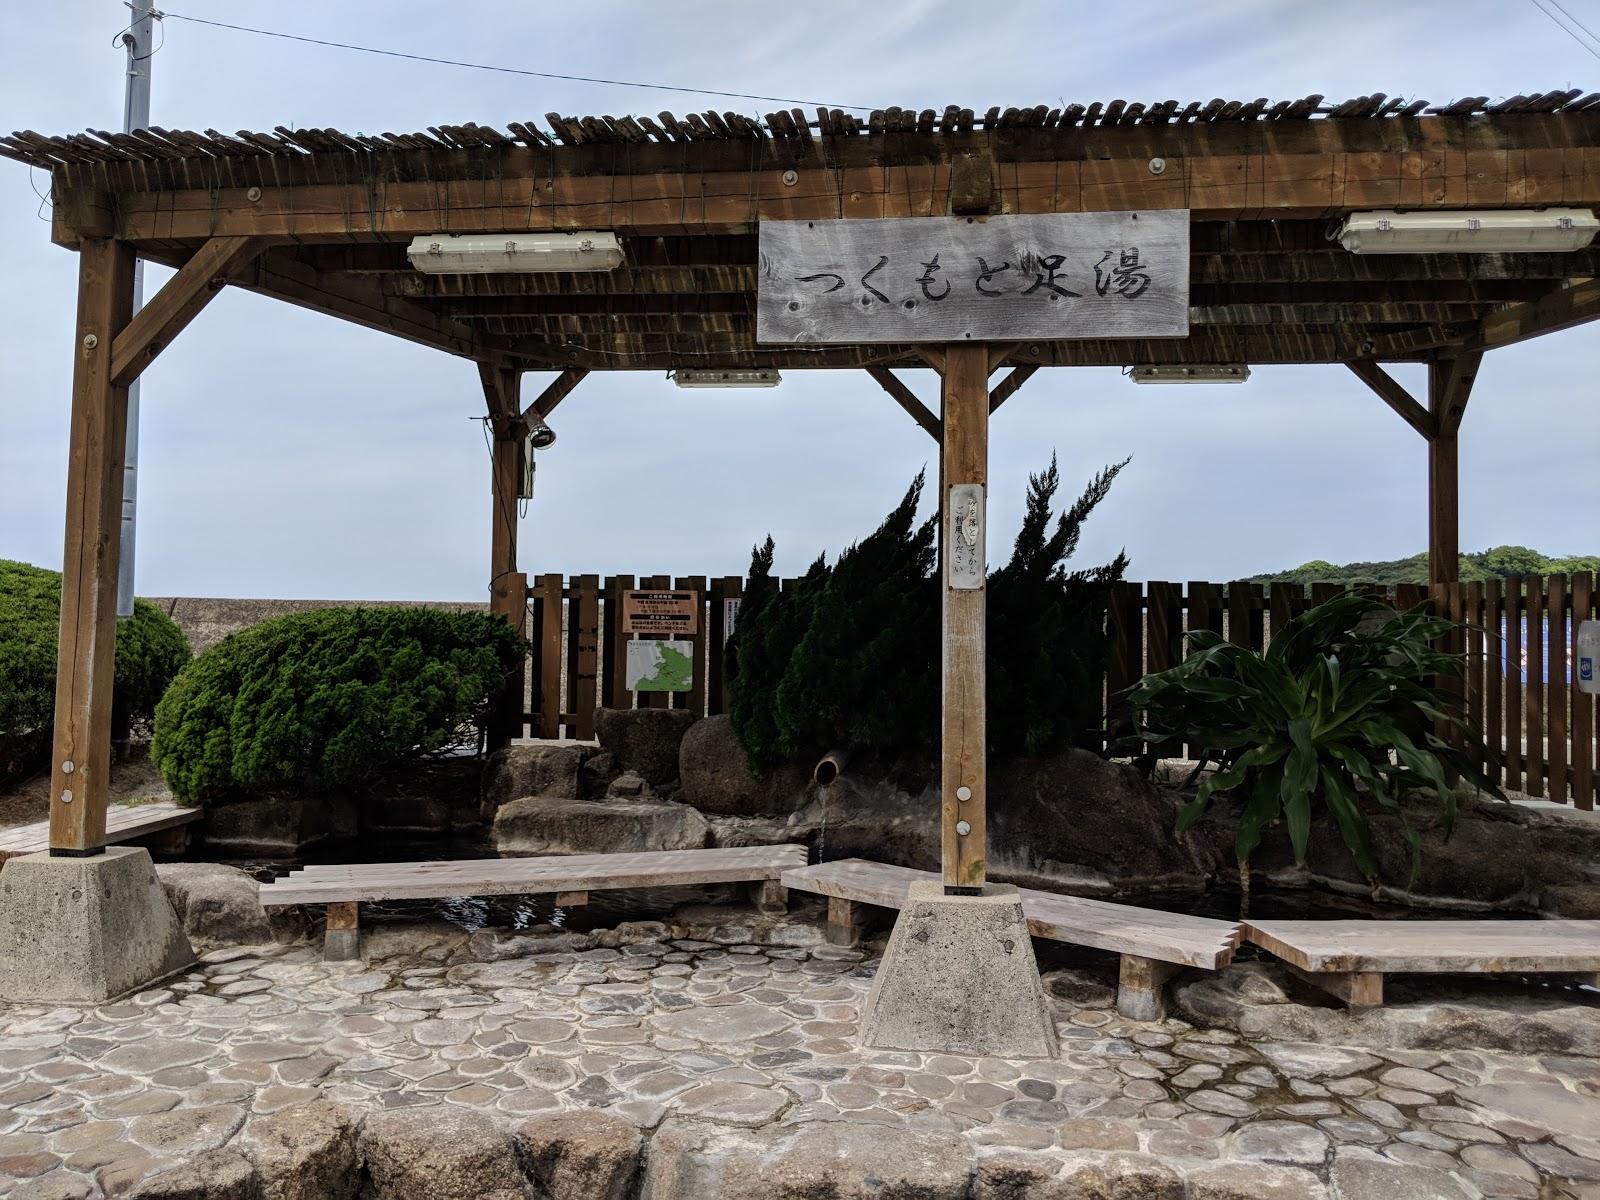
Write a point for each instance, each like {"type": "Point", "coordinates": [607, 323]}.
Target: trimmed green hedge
{"type": "Point", "coordinates": [151, 650]}
{"type": "Point", "coordinates": [328, 699]}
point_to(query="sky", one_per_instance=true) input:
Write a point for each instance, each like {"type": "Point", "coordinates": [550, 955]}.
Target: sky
{"type": "Point", "coordinates": [288, 454]}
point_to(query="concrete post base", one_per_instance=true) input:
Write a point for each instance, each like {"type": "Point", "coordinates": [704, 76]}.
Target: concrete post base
{"type": "Point", "coordinates": [960, 977]}
{"type": "Point", "coordinates": [85, 930]}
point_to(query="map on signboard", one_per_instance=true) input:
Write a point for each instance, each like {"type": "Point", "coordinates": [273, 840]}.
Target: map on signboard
{"type": "Point", "coordinates": [666, 666]}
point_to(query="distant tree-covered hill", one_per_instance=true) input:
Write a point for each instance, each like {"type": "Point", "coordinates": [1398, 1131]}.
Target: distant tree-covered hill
{"type": "Point", "coordinates": [1502, 562]}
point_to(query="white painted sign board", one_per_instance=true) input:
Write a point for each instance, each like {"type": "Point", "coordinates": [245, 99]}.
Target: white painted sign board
{"type": "Point", "coordinates": [965, 536]}
{"type": "Point", "coordinates": [950, 279]}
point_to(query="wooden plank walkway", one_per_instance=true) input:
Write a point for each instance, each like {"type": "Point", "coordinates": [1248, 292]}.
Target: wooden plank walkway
{"type": "Point", "coordinates": [1153, 944]}
{"type": "Point", "coordinates": [123, 824]}
{"type": "Point", "coordinates": [343, 887]}
{"type": "Point", "coordinates": [1350, 958]}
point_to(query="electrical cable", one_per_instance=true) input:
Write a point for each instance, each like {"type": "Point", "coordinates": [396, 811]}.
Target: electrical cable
{"type": "Point", "coordinates": [1569, 32]}
{"type": "Point", "coordinates": [450, 62]}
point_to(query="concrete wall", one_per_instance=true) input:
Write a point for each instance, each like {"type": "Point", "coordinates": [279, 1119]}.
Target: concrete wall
{"type": "Point", "coordinates": [207, 620]}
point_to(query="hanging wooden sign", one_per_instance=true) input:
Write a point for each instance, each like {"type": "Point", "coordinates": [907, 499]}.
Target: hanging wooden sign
{"type": "Point", "coordinates": [951, 279]}
{"type": "Point", "coordinates": [661, 612]}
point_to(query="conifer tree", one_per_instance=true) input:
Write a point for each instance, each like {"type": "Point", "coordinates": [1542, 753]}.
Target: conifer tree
{"type": "Point", "coordinates": [864, 672]}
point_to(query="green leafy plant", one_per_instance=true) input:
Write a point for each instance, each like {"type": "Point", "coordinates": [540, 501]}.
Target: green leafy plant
{"type": "Point", "coordinates": [848, 658]}
{"type": "Point", "coordinates": [151, 650]}
{"type": "Point", "coordinates": [1345, 709]}
{"type": "Point", "coordinates": [329, 698]}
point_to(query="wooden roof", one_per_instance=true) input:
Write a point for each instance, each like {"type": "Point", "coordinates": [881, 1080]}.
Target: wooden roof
{"type": "Point", "coordinates": [1264, 182]}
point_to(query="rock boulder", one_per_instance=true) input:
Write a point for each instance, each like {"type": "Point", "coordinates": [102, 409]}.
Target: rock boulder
{"type": "Point", "coordinates": [553, 825]}
{"type": "Point", "coordinates": [716, 776]}
{"type": "Point", "coordinates": [580, 1155]}
{"type": "Point", "coordinates": [439, 1154]}
{"type": "Point", "coordinates": [644, 740]}
{"type": "Point", "coordinates": [545, 770]}
{"type": "Point", "coordinates": [220, 905]}
{"type": "Point", "coordinates": [307, 1152]}
{"type": "Point", "coordinates": [278, 826]}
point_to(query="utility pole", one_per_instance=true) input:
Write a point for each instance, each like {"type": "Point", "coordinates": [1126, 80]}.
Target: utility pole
{"type": "Point", "coordinates": [140, 43]}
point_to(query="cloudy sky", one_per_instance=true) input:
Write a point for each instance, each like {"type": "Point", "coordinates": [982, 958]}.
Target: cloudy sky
{"type": "Point", "coordinates": [287, 454]}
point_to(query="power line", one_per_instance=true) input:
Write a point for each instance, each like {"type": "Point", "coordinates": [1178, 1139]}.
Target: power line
{"type": "Point", "coordinates": [1565, 29]}
{"type": "Point", "coordinates": [450, 62]}
{"type": "Point", "coordinates": [1568, 14]}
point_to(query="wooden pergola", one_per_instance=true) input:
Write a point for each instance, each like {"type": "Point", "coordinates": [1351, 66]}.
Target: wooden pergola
{"type": "Point", "coordinates": [322, 219]}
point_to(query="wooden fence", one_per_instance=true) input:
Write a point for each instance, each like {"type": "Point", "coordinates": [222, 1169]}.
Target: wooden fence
{"type": "Point", "coordinates": [1539, 730]}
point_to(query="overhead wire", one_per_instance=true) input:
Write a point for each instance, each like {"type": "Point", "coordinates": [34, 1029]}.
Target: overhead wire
{"type": "Point", "coordinates": [450, 62]}
{"type": "Point", "coordinates": [1568, 30]}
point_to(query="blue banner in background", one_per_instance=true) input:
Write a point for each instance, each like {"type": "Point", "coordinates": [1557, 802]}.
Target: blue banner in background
{"type": "Point", "coordinates": [1522, 666]}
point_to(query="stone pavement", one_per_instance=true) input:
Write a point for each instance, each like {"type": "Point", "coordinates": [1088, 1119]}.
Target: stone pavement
{"type": "Point", "coordinates": [267, 1073]}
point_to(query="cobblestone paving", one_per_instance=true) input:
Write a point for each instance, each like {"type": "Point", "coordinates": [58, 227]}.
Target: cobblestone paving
{"type": "Point", "coordinates": [93, 1100]}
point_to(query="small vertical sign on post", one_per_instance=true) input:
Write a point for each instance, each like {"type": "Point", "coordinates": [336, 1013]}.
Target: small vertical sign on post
{"type": "Point", "coordinates": [965, 536]}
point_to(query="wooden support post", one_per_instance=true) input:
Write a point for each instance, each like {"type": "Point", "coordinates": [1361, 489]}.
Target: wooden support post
{"type": "Point", "coordinates": [844, 922]}
{"type": "Point", "coordinates": [770, 896]}
{"type": "Point", "coordinates": [341, 936]}
{"type": "Point", "coordinates": [1358, 989]}
{"type": "Point", "coordinates": [508, 588]}
{"type": "Point", "coordinates": [1449, 387]}
{"type": "Point", "coordinates": [964, 476]}
{"type": "Point", "coordinates": [1141, 985]}
{"type": "Point", "coordinates": [85, 663]}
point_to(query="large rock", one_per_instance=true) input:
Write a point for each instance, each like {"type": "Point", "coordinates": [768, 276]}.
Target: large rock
{"type": "Point", "coordinates": [553, 825]}
{"type": "Point", "coordinates": [716, 777]}
{"type": "Point", "coordinates": [1084, 1175]}
{"type": "Point", "coordinates": [581, 1155]}
{"type": "Point", "coordinates": [220, 905]}
{"type": "Point", "coordinates": [1073, 822]}
{"type": "Point", "coordinates": [1499, 856]}
{"type": "Point", "coordinates": [808, 1162]}
{"type": "Point", "coordinates": [644, 740]}
{"type": "Point", "coordinates": [1262, 1001]}
{"type": "Point", "coordinates": [427, 798]}
{"type": "Point", "coordinates": [542, 770]}
{"type": "Point", "coordinates": [307, 1152]}
{"type": "Point", "coordinates": [278, 826]}
{"type": "Point", "coordinates": [439, 1154]}
{"type": "Point", "coordinates": [213, 1175]}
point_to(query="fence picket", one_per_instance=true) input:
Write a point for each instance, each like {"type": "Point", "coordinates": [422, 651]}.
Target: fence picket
{"type": "Point", "coordinates": [1493, 726]}
{"type": "Point", "coordinates": [1583, 724]}
{"type": "Point", "coordinates": [1533, 773]}
{"type": "Point", "coordinates": [1555, 674]}
{"type": "Point", "coordinates": [1513, 674]}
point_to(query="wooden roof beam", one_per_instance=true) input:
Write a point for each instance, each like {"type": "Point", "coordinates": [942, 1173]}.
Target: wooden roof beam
{"type": "Point", "coordinates": [1396, 397]}
{"type": "Point", "coordinates": [908, 400]}
{"type": "Point", "coordinates": [178, 302]}
{"type": "Point", "coordinates": [1561, 309]}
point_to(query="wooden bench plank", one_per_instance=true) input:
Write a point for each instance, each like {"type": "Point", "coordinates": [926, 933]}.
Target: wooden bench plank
{"type": "Point", "coordinates": [357, 882]}
{"type": "Point", "coordinates": [1121, 928]}
{"type": "Point", "coordinates": [1432, 947]}
{"type": "Point", "coordinates": [124, 823]}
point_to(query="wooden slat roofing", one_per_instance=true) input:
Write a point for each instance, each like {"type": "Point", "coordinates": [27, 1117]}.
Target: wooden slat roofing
{"type": "Point", "coordinates": [1265, 182]}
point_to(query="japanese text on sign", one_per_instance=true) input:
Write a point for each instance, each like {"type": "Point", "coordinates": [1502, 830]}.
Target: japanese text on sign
{"type": "Point", "coordinates": [661, 612]}
{"type": "Point", "coordinates": [940, 279]}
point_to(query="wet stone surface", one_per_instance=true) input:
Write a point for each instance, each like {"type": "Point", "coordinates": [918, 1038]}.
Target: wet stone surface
{"type": "Point", "coordinates": [759, 1040]}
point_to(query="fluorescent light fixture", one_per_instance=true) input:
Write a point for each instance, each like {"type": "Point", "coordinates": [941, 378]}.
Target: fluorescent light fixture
{"type": "Point", "coordinates": [762, 377]}
{"type": "Point", "coordinates": [523, 253]}
{"type": "Point", "coordinates": [1487, 231]}
{"type": "Point", "coordinates": [1210, 373]}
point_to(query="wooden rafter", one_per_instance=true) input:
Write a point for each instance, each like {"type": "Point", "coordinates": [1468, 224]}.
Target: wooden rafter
{"type": "Point", "coordinates": [907, 399]}
{"type": "Point", "coordinates": [177, 303]}
{"type": "Point", "coordinates": [1396, 397]}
